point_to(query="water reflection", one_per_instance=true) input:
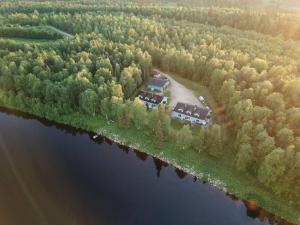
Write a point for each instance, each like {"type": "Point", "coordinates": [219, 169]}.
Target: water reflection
{"type": "Point", "coordinates": [180, 173]}
{"type": "Point", "coordinates": [159, 164]}
{"type": "Point", "coordinates": [73, 180]}
{"type": "Point", "coordinates": [142, 156]}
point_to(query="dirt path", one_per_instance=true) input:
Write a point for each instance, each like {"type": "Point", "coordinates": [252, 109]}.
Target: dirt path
{"type": "Point", "coordinates": [180, 93]}
{"type": "Point", "coordinates": [60, 31]}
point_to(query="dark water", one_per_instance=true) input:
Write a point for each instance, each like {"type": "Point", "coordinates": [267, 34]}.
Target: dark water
{"type": "Point", "coordinates": [57, 175]}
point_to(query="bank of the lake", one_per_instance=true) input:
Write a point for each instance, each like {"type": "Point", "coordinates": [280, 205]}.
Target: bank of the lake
{"type": "Point", "coordinates": [200, 165]}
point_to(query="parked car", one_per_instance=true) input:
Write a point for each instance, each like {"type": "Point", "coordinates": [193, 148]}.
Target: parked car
{"type": "Point", "coordinates": [201, 99]}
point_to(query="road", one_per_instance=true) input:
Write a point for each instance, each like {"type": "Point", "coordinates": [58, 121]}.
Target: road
{"type": "Point", "coordinates": [60, 31]}
{"type": "Point", "coordinates": [180, 93]}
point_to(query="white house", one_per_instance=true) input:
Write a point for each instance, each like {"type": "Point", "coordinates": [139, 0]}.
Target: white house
{"type": "Point", "coordinates": [191, 113]}
{"type": "Point", "coordinates": [152, 100]}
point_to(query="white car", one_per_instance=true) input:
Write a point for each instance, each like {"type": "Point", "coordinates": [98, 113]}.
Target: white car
{"type": "Point", "coordinates": [201, 99]}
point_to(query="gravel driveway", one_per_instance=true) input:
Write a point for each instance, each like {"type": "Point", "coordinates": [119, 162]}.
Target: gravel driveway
{"type": "Point", "coordinates": [180, 93]}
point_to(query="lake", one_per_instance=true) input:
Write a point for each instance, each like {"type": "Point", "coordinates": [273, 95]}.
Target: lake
{"type": "Point", "coordinates": [52, 174]}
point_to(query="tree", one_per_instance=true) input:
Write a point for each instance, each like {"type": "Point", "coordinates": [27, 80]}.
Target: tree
{"type": "Point", "coordinates": [116, 90]}
{"type": "Point", "coordinates": [273, 169]}
{"type": "Point", "coordinates": [153, 118]}
{"type": "Point", "coordinates": [88, 102]}
{"type": "Point", "coordinates": [130, 80]}
{"type": "Point", "coordinates": [227, 91]}
{"type": "Point", "coordinates": [275, 102]}
{"type": "Point", "coordinates": [244, 157]}
{"type": "Point", "coordinates": [199, 140]}
{"type": "Point", "coordinates": [105, 108]}
{"type": "Point", "coordinates": [158, 134]}
{"type": "Point", "coordinates": [285, 137]}
{"type": "Point", "coordinates": [164, 117]}
{"type": "Point", "coordinates": [260, 64]}
{"type": "Point", "coordinates": [117, 108]}
{"type": "Point", "coordinates": [126, 122]}
{"type": "Point", "coordinates": [145, 61]}
{"type": "Point", "coordinates": [139, 114]}
{"type": "Point", "coordinates": [214, 140]}
{"type": "Point", "coordinates": [292, 91]}
{"type": "Point", "coordinates": [184, 137]}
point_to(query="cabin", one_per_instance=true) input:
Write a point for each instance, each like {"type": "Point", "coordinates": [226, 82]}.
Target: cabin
{"type": "Point", "coordinates": [191, 113]}
{"type": "Point", "coordinates": [157, 84]}
{"type": "Point", "coordinates": [152, 100]}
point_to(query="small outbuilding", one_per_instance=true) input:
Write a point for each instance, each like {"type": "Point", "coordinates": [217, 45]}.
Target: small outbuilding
{"type": "Point", "coordinates": [156, 84]}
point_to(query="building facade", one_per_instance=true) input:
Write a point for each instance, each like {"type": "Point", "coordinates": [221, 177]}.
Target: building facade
{"type": "Point", "coordinates": [152, 100]}
{"type": "Point", "coordinates": [192, 113]}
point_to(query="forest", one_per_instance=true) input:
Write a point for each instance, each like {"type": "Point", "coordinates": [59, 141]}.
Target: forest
{"type": "Point", "coordinates": [248, 60]}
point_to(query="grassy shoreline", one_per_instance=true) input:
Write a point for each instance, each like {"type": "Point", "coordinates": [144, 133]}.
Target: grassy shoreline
{"type": "Point", "coordinates": [200, 165]}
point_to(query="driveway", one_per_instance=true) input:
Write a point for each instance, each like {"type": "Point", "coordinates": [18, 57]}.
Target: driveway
{"type": "Point", "coordinates": [180, 93]}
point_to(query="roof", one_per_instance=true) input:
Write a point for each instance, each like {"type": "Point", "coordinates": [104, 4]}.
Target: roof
{"type": "Point", "coordinates": [192, 110]}
{"type": "Point", "coordinates": [158, 82]}
{"type": "Point", "coordinates": [150, 97]}
{"type": "Point", "coordinates": [160, 76]}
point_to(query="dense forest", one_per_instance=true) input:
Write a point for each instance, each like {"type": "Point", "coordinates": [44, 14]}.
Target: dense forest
{"type": "Point", "coordinates": [270, 21]}
{"type": "Point", "coordinates": [253, 76]}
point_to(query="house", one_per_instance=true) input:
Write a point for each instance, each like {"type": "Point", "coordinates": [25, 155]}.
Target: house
{"type": "Point", "coordinates": [156, 84]}
{"type": "Point", "coordinates": [191, 113]}
{"type": "Point", "coordinates": [152, 100]}
{"type": "Point", "coordinates": [160, 76]}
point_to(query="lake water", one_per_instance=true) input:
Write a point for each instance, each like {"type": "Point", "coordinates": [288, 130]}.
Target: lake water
{"type": "Point", "coordinates": [57, 175]}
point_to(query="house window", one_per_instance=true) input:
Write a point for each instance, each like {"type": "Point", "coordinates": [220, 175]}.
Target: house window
{"type": "Point", "coordinates": [187, 118]}
{"type": "Point", "coordinates": [179, 115]}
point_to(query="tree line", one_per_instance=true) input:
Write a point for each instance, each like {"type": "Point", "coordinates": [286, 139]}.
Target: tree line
{"type": "Point", "coordinates": [29, 32]}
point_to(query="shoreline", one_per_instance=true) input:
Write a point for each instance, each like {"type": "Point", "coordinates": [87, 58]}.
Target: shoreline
{"type": "Point", "coordinates": [118, 139]}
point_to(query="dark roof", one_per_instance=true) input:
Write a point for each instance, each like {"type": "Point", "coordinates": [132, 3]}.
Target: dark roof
{"type": "Point", "coordinates": [150, 97]}
{"type": "Point", "coordinates": [157, 82]}
{"type": "Point", "coordinates": [192, 110]}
